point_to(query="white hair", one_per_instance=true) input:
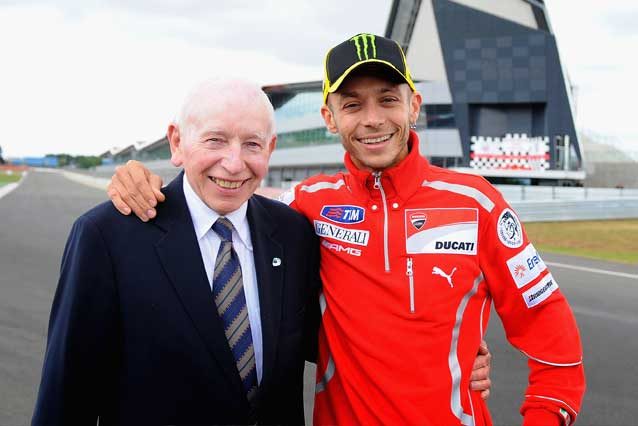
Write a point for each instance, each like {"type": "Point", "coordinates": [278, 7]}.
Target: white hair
{"type": "Point", "coordinates": [222, 90]}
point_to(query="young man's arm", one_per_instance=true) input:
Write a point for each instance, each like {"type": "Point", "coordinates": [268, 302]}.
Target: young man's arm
{"type": "Point", "coordinates": [78, 372]}
{"type": "Point", "coordinates": [536, 316]}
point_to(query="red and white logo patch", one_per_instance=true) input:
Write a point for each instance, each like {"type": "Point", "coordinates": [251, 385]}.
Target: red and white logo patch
{"type": "Point", "coordinates": [440, 231]}
{"type": "Point", "coordinates": [519, 271]}
{"type": "Point", "coordinates": [525, 266]}
{"type": "Point", "coordinates": [418, 220]}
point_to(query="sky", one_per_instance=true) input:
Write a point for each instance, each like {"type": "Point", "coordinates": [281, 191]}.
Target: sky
{"type": "Point", "coordinates": [83, 76]}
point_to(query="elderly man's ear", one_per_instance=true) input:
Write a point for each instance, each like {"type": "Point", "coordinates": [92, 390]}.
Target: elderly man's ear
{"type": "Point", "coordinates": [273, 143]}
{"type": "Point", "coordinates": [174, 140]}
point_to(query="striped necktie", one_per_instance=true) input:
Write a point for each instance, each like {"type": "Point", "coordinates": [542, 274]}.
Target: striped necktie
{"type": "Point", "coordinates": [228, 291]}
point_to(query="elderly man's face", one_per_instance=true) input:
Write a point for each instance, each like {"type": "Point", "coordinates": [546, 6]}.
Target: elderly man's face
{"type": "Point", "coordinates": [224, 149]}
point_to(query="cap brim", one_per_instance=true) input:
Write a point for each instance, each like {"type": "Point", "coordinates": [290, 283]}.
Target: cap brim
{"type": "Point", "coordinates": [335, 86]}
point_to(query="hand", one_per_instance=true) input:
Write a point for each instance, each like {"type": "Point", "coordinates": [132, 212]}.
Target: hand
{"type": "Point", "coordinates": [134, 187]}
{"type": "Point", "coordinates": [480, 378]}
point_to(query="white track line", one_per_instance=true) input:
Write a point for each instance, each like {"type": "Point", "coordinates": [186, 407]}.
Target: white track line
{"type": "Point", "coordinates": [594, 270]}
{"type": "Point", "coordinates": [92, 181]}
{"type": "Point", "coordinates": [4, 190]}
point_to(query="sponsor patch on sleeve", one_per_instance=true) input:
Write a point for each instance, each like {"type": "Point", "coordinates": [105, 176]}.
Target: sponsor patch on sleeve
{"type": "Point", "coordinates": [343, 214]}
{"type": "Point", "coordinates": [509, 229]}
{"type": "Point", "coordinates": [541, 291]}
{"type": "Point", "coordinates": [441, 231]}
{"type": "Point", "coordinates": [347, 235]}
{"type": "Point", "coordinates": [525, 266]}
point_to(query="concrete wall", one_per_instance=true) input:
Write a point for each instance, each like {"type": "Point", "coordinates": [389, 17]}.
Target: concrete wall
{"type": "Point", "coordinates": [611, 174]}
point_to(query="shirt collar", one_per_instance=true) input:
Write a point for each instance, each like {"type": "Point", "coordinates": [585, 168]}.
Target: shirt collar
{"type": "Point", "coordinates": [204, 217]}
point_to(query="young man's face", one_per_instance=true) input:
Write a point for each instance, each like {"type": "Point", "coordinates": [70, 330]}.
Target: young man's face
{"type": "Point", "coordinates": [373, 117]}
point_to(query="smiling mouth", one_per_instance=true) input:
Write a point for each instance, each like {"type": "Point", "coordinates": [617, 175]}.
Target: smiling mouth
{"type": "Point", "coordinates": [373, 141]}
{"type": "Point", "coordinates": [228, 184]}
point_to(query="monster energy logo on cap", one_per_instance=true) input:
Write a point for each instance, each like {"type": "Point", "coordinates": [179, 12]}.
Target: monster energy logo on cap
{"type": "Point", "coordinates": [364, 49]}
{"type": "Point", "coordinates": [364, 38]}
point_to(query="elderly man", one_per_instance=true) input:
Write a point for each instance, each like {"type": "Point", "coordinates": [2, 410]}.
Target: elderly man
{"type": "Point", "coordinates": [197, 317]}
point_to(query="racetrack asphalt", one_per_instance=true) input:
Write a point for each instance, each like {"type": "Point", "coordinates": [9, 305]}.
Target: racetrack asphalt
{"type": "Point", "coordinates": [35, 220]}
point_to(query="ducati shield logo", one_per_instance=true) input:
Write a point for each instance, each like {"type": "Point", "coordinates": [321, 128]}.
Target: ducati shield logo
{"type": "Point", "coordinates": [418, 220]}
{"type": "Point", "coordinates": [509, 229]}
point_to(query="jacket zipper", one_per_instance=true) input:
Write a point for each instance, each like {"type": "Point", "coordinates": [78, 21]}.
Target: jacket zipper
{"type": "Point", "coordinates": [410, 273]}
{"type": "Point", "coordinates": [377, 185]}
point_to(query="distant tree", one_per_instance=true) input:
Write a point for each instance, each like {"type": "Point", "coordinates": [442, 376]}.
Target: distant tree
{"type": "Point", "coordinates": [63, 159]}
{"type": "Point", "coordinates": [86, 162]}
{"type": "Point", "coordinates": [80, 161]}
{"type": "Point", "coordinates": [1, 159]}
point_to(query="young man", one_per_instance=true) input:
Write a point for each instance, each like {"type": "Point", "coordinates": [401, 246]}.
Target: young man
{"type": "Point", "coordinates": [412, 256]}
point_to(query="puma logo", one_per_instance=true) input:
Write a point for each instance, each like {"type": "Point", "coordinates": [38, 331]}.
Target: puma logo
{"type": "Point", "coordinates": [438, 271]}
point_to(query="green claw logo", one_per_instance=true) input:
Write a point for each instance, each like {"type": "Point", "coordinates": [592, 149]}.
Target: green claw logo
{"type": "Point", "coordinates": [365, 39]}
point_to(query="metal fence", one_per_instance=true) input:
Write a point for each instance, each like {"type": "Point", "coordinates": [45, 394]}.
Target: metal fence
{"type": "Point", "coordinates": [547, 203]}
{"type": "Point", "coordinates": [513, 193]}
{"type": "Point", "coordinates": [563, 210]}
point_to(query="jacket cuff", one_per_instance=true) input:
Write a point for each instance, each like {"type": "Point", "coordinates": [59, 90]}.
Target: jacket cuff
{"type": "Point", "coordinates": [540, 417]}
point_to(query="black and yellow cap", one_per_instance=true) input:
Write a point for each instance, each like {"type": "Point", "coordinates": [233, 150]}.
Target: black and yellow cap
{"type": "Point", "coordinates": [361, 49]}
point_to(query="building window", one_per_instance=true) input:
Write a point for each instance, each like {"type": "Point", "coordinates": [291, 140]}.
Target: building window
{"type": "Point", "coordinates": [436, 116]}
{"type": "Point", "coordinates": [306, 138]}
{"type": "Point", "coordinates": [446, 162]}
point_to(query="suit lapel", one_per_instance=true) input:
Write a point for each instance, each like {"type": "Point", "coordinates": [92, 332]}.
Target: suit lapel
{"type": "Point", "coordinates": [269, 263]}
{"type": "Point", "coordinates": [181, 258]}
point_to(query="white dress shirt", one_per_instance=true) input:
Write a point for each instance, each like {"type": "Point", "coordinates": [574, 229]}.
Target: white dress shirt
{"type": "Point", "coordinates": [203, 219]}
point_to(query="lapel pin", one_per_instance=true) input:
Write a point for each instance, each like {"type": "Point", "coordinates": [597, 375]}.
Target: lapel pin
{"type": "Point", "coordinates": [276, 261]}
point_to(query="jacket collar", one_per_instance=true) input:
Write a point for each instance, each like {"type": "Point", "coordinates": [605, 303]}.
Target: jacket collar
{"type": "Point", "coordinates": [400, 180]}
{"type": "Point", "coordinates": [267, 248]}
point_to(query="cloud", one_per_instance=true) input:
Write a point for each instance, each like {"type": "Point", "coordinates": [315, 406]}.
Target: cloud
{"type": "Point", "coordinates": [83, 86]}
{"type": "Point", "coordinates": [82, 77]}
{"type": "Point", "coordinates": [95, 74]}
{"type": "Point", "coordinates": [620, 18]}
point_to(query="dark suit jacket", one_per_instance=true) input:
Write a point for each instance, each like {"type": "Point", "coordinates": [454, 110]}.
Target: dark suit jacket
{"type": "Point", "coordinates": [134, 334]}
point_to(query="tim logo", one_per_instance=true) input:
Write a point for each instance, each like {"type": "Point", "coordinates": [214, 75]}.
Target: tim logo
{"type": "Point", "coordinates": [343, 214]}
{"type": "Point", "coordinates": [362, 42]}
{"type": "Point", "coordinates": [418, 220]}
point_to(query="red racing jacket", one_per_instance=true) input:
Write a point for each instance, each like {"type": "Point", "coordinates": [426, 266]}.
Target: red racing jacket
{"type": "Point", "coordinates": [411, 260]}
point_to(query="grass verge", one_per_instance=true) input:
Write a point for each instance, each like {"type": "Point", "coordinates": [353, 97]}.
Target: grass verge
{"type": "Point", "coordinates": [612, 240]}
{"type": "Point", "coordinates": [4, 178]}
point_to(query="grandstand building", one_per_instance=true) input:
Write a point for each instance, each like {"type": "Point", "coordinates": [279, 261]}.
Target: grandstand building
{"type": "Point", "coordinates": [496, 100]}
